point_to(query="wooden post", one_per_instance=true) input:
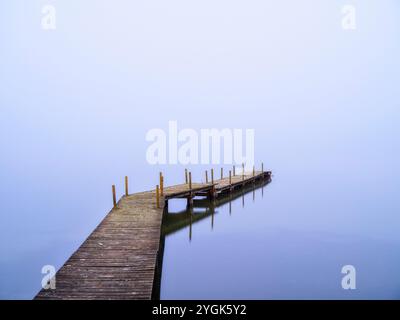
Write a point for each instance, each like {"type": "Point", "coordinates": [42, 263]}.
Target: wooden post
{"type": "Point", "coordinates": [114, 196]}
{"type": "Point", "coordinates": [161, 184]}
{"type": "Point", "coordinates": [242, 171]}
{"type": "Point", "coordinates": [262, 167]}
{"type": "Point", "coordinates": [222, 173]}
{"type": "Point", "coordinates": [157, 196]}
{"type": "Point", "coordinates": [212, 192]}
{"type": "Point", "coordinates": [212, 175]}
{"type": "Point", "coordinates": [186, 176]}
{"type": "Point", "coordinates": [234, 171]}
{"type": "Point", "coordinates": [190, 180]}
{"type": "Point", "coordinates": [126, 186]}
{"type": "Point", "coordinates": [230, 177]}
{"type": "Point", "coordinates": [189, 204]}
{"type": "Point", "coordinates": [254, 171]}
{"type": "Point", "coordinates": [206, 176]}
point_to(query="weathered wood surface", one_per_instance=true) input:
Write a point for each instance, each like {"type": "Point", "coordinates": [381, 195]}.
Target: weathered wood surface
{"type": "Point", "coordinates": [118, 260]}
{"type": "Point", "coordinates": [237, 180]}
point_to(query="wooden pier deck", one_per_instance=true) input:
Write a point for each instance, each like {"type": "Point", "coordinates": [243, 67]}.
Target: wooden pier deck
{"type": "Point", "coordinates": [119, 259]}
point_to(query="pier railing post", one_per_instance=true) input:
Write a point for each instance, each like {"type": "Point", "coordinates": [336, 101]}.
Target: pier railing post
{"type": "Point", "coordinates": [186, 176]}
{"type": "Point", "coordinates": [212, 175]}
{"type": "Point", "coordinates": [242, 171]}
{"type": "Point", "coordinates": [190, 197]}
{"type": "Point", "coordinates": [126, 186]}
{"type": "Point", "coordinates": [262, 167]}
{"type": "Point", "coordinates": [222, 173]}
{"type": "Point", "coordinates": [206, 176]}
{"type": "Point", "coordinates": [114, 196]}
{"type": "Point", "coordinates": [161, 184]}
{"type": "Point", "coordinates": [254, 171]}
{"type": "Point", "coordinates": [234, 171]}
{"type": "Point", "coordinates": [230, 177]}
{"type": "Point", "coordinates": [157, 196]}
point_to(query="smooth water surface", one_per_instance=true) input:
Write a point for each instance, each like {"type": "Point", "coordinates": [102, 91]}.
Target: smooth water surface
{"type": "Point", "coordinates": [252, 249]}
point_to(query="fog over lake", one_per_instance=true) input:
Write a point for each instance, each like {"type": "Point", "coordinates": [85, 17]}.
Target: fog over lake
{"type": "Point", "coordinates": [77, 103]}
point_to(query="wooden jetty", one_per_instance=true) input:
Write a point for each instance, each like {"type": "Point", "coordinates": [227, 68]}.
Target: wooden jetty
{"type": "Point", "coordinates": [119, 260]}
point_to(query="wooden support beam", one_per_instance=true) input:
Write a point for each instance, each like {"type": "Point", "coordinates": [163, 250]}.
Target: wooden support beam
{"type": "Point", "coordinates": [189, 202]}
{"type": "Point", "coordinates": [212, 192]}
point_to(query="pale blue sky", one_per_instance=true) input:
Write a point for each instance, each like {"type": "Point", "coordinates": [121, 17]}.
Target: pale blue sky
{"type": "Point", "coordinates": [77, 102]}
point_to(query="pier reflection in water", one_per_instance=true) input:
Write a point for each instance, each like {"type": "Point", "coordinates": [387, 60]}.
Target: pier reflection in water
{"type": "Point", "coordinates": [204, 208]}
{"type": "Point", "coordinates": [207, 217]}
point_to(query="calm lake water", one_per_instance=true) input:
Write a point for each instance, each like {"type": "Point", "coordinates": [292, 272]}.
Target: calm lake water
{"type": "Point", "coordinates": [237, 252]}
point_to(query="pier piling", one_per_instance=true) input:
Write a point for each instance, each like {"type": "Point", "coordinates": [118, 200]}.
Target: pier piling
{"type": "Point", "coordinates": [114, 196]}
{"type": "Point", "coordinates": [126, 186]}
{"type": "Point", "coordinates": [161, 184]}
